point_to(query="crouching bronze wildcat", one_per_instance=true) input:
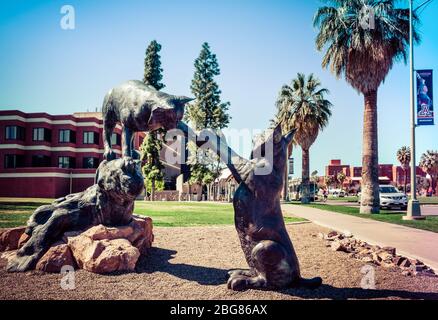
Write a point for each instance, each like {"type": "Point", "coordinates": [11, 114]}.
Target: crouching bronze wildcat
{"type": "Point", "coordinates": [109, 202]}
{"type": "Point", "coordinates": [258, 218]}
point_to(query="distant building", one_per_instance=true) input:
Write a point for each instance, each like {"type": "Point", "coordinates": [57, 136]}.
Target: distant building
{"type": "Point", "coordinates": [388, 174]}
{"type": "Point", "coordinates": [50, 156]}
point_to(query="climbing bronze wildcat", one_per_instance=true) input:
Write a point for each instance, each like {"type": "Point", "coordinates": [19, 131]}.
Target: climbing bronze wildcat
{"type": "Point", "coordinates": [138, 107]}
{"type": "Point", "coordinates": [258, 217]}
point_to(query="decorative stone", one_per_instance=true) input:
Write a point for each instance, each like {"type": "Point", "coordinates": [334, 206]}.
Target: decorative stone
{"type": "Point", "coordinates": [101, 232]}
{"type": "Point", "coordinates": [390, 250]}
{"type": "Point", "coordinates": [8, 255]}
{"type": "Point", "coordinates": [10, 237]}
{"type": "Point", "coordinates": [142, 236]}
{"type": "Point", "coordinates": [55, 258]}
{"type": "Point", "coordinates": [103, 256]}
{"type": "Point", "coordinates": [23, 239]}
{"type": "Point", "coordinates": [338, 246]}
{"type": "Point", "coordinates": [385, 256]}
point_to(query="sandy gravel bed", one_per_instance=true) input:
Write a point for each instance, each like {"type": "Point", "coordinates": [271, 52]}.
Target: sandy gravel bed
{"type": "Point", "coordinates": [192, 263]}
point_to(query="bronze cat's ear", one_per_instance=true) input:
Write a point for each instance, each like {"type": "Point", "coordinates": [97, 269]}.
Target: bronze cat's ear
{"type": "Point", "coordinates": [181, 100]}
{"type": "Point", "coordinates": [178, 103]}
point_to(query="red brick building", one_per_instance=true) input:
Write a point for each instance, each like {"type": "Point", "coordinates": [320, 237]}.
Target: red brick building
{"type": "Point", "coordinates": [49, 156]}
{"type": "Point", "coordinates": [388, 173]}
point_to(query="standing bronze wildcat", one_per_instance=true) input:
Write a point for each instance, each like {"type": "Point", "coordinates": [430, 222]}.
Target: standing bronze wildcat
{"type": "Point", "coordinates": [138, 107]}
{"type": "Point", "coordinates": [258, 218]}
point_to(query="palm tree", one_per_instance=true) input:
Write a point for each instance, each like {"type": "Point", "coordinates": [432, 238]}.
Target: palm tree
{"type": "Point", "coordinates": [303, 106]}
{"type": "Point", "coordinates": [404, 157]}
{"type": "Point", "coordinates": [364, 56]}
{"type": "Point", "coordinates": [341, 178]}
{"type": "Point", "coordinates": [429, 164]}
{"type": "Point", "coordinates": [329, 180]}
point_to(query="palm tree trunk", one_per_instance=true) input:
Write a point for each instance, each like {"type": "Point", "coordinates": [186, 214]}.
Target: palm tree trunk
{"type": "Point", "coordinates": [370, 202]}
{"type": "Point", "coordinates": [305, 177]}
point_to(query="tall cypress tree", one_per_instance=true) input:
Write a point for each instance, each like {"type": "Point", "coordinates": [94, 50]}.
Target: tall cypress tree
{"type": "Point", "coordinates": [151, 146]}
{"type": "Point", "coordinates": [207, 111]}
{"type": "Point", "coordinates": [152, 66]}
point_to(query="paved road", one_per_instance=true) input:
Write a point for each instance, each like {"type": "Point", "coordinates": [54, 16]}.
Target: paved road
{"type": "Point", "coordinates": [410, 242]}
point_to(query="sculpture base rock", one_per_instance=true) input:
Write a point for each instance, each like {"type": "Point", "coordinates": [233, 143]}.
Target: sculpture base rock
{"type": "Point", "coordinates": [99, 249]}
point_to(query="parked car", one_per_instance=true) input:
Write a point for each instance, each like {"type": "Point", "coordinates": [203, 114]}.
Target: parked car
{"type": "Point", "coordinates": [390, 197]}
{"type": "Point", "coordinates": [337, 193]}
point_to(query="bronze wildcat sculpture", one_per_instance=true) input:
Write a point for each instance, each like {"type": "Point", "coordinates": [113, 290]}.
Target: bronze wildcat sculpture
{"type": "Point", "coordinates": [138, 107]}
{"type": "Point", "coordinates": [109, 202]}
{"type": "Point", "coordinates": [259, 220]}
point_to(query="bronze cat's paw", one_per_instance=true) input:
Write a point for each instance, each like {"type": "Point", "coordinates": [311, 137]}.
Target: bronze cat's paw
{"type": "Point", "coordinates": [237, 283]}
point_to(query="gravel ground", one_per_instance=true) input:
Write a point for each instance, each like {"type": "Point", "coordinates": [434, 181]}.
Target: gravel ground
{"type": "Point", "coordinates": [192, 263]}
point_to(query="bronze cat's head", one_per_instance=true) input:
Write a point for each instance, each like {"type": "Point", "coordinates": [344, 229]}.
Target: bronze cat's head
{"type": "Point", "coordinates": [167, 116]}
{"type": "Point", "coordinates": [120, 178]}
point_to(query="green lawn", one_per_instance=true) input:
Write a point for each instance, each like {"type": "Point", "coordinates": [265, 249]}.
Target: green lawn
{"type": "Point", "coordinates": [15, 212]}
{"type": "Point", "coordinates": [423, 200]}
{"type": "Point", "coordinates": [430, 224]}
{"type": "Point", "coordinates": [344, 199]}
{"type": "Point", "coordinates": [428, 200]}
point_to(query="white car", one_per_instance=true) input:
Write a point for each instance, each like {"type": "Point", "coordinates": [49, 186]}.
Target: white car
{"type": "Point", "coordinates": [390, 197]}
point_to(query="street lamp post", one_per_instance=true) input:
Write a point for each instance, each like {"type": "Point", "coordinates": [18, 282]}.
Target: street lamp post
{"type": "Point", "coordinates": [414, 209]}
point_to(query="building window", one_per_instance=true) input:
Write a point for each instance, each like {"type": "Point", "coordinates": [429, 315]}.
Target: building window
{"type": "Point", "coordinates": [13, 161]}
{"type": "Point", "coordinates": [91, 137]}
{"type": "Point", "coordinates": [116, 140]}
{"type": "Point", "coordinates": [41, 134]}
{"type": "Point", "coordinates": [90, 163]}
{"type": "Point", "coordinates": [67, 136]}
{"type": "Point", "coordinates": [41, 161]}
{"type": "Point", "coordinates": [66, 162]}
{"type": "Point", "coordinates": [14, 133]}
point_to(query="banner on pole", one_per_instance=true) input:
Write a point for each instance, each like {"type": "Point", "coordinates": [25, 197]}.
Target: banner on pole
{"type": "Point", "coordinates": [425, 114]}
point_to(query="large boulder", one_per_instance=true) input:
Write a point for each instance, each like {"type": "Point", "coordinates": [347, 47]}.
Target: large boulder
{"type": "Point", "coordinates": [55, 258]}
{"type": "Point", "coordinates": [103, 256]}
{"type": "Point", "coordinates": [9, 238]}
{"type": "Point", "coordinates": [142, 236]}
{"type": "Point", "coordinates": [102, 232]}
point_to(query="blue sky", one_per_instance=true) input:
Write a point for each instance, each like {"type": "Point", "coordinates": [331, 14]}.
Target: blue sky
{"type": "Point", "coordinates": [260, 45]}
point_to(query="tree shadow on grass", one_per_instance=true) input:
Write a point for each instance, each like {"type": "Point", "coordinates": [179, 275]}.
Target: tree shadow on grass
{"type": "Point", "coordinates": [158, 261]}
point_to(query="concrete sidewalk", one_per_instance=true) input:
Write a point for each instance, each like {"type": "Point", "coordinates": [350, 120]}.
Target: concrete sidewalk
{"type": "Point", "coordinates": [410, 242]}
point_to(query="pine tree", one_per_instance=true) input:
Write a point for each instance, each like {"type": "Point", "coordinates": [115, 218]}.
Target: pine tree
{"type": "Point", "coordinates": [152, 166]}
{"type": "Point", "coordinates": [152, 66]}
{"type": "Point", "coordinates": [152, 144]}
{"type": "Point", "coordinates": [207, 111]}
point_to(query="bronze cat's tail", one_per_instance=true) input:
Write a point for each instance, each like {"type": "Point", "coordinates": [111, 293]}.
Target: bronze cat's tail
{"type": "Point", "coordinates": [312, 283]}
